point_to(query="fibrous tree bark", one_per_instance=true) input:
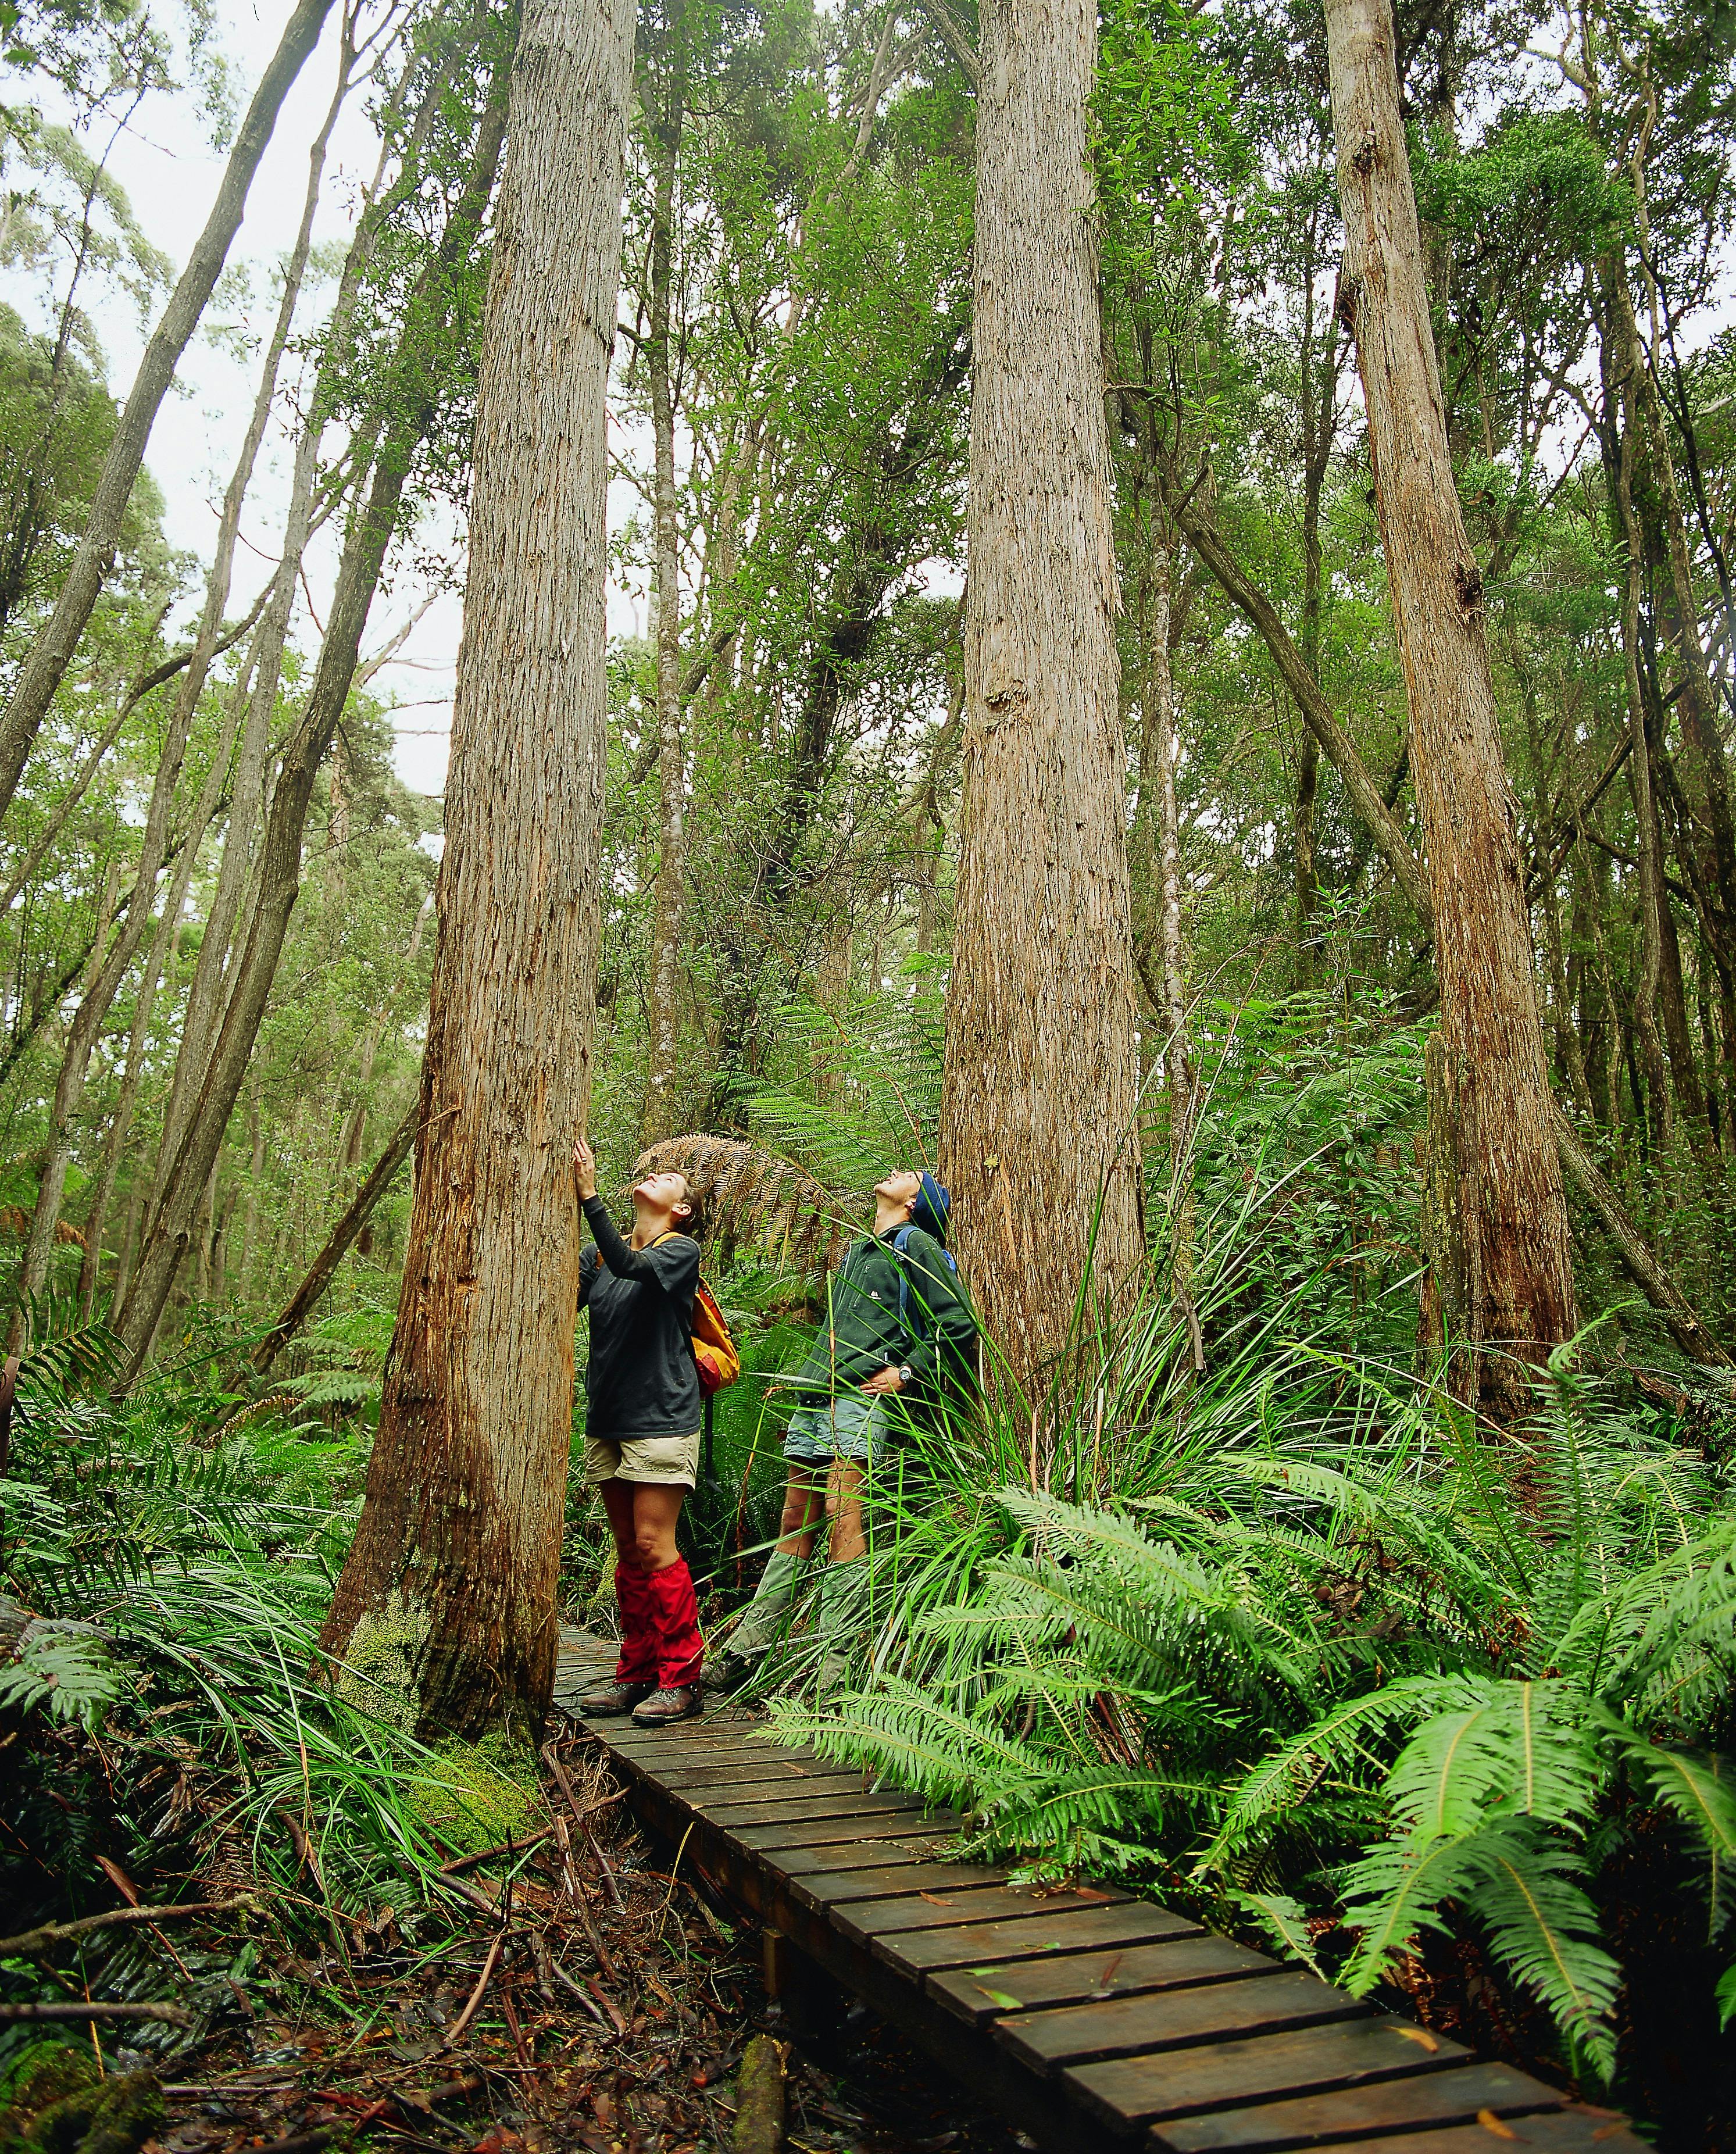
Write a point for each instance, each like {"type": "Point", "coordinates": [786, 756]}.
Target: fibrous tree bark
{"type": "Point", "coordinates": [1039, 1135]}
{"type": "Point", "coordinates": [52, 653]}
{"type": "Point", "coordinates": [455, 1561]}
{"type": "Point", "coordinates": [1501, 1258]}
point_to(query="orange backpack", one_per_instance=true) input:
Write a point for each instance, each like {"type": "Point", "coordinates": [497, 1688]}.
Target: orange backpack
{"type": "Point", "coordinates": [714, 1351]}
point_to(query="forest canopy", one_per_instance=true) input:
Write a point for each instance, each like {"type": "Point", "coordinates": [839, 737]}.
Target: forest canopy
{"type": "Point", "coordinates": [1136, 610]}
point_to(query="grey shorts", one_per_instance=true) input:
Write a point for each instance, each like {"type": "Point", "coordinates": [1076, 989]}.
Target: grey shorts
{"type": "Point", "coordinates": [852, 1425]}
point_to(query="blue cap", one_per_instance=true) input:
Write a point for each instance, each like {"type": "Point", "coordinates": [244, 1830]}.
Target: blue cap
{"type": "Point", "coordinates": [932, 1208]}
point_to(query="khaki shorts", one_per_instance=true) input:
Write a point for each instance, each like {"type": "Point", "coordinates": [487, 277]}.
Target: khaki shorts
{"type": "Point", "coordinates": [672, 1459]}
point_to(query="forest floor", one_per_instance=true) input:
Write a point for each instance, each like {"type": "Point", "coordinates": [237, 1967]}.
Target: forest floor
{"type": "Point", "coordinates": [597, 2002]}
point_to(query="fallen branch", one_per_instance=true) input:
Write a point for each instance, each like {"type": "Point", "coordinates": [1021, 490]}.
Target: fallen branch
{"type": "Point", "coordinates": [28, 1942]}
{"type": "Point", "coordinates": [1642, 1267]}
{"type": "Point", "coordinates": [488, 1854]}
{"type": "Point", "coordinates": [171, 2015]}
{"type": "Point", "coordinates": [583, 1995]}
{"type": "Point", "coordinates": [760, 2098]}
{"type": "Point", "coordinates": [469, 2012]}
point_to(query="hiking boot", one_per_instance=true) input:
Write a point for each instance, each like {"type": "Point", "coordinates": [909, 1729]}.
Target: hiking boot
{"type": "Point", "coordinates": [663, 1705]}
{"type": "Point", "coordinates": [834, 1676]}
{"type": "Point", "coordinates": [730, 1672]}
{"type": "Point", "coordinates": [608, 1701]}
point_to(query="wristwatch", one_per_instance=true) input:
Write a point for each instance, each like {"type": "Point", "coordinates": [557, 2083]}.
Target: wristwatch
{"type": "Point", "coordinates": [906, 1373]}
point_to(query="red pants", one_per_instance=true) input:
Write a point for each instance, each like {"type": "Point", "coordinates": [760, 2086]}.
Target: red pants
{"type": "Point", "coordinates": [660, 1639]}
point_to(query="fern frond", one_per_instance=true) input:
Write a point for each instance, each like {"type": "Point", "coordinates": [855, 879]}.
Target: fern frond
{"type": "Point", "coordinates": [1544, 1929]}
{"type": "Point", "coordinates": [1336, 1742]}
{"type": "Point", "coordinates": [1395, 1893]}
{"type": "Point", "coordinates": [1522, 1745]}
{"type": "Point", "coordinates": [1285, 1922]}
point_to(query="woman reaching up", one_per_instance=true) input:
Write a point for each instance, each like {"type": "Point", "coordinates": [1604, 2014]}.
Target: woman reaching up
{"type": "Point", "coordinates": [641, 1441]}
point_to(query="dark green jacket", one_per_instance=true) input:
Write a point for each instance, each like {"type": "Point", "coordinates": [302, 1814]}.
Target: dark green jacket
{"type": "Point", "coordinates": [864, 1332]}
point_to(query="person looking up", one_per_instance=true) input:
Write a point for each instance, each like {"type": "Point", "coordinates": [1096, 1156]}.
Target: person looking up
{"type": "Point", "coordinates": [894, 1316]}
{"type": "Point", "coordinates": [644, 1408]}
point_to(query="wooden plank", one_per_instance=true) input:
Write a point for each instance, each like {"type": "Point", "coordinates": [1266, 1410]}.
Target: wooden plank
{"type": "Point", "coordinates": [1391, 2106]}
{"type": "Point", "coordinates": [1570, 2130]}
{"type": "Point", "coordinates": [804, 1863]}
{"type": "Point", "coordinates": [999, 1902]}
{"type": "Point", "coordinates": [978, 1994]}
{"type": "Point", "coordinates": [834, 1888]}
{"type": "Point", "coordinates": [771, 1840]}
{"type": "Point", "coordinates": [746, 1782]}
{"type": "Point", "coordinates": [686, 1744]}
{"type": "Point", "coordinates": [1128, 2090]}
{"type": "Point", "coordinates": [1085, 1929]}
{"type": "Point", "coordinates": [1172, 2019]}
{"type": "Point", "coordinates": [791, 1805]}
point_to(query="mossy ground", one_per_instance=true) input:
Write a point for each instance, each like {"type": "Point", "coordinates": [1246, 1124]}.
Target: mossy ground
{"type": "Point", "coordinates": [482, 1794]}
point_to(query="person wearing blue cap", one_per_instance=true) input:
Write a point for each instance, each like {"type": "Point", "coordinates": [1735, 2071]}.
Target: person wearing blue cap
{"type": "Point", "coordinates": [897, 1321]}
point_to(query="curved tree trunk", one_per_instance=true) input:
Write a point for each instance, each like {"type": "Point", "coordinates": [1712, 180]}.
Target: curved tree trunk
{"type": "Point", "coordinates": [454, 1562]}
{"type": "Point", "coordinates": [52, 652]}
{"type": "Point", "coordinates": [1503, 1262]}
{"type": "Point", "coordinates": [1038, 1134]}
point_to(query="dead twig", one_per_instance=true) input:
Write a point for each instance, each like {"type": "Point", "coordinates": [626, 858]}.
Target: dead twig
{"type": "Point", "coordinates": [469, 2012]}
{"type": "Point", "coordinates": [28, 1942]}
{"type": "Point", "coordinates": [488, 1854]}
{"type": "Point", "coordinates": [583, 1995]}
{"type": "Point", "coordinates": [620, 1905]}
{"type": "Point", "coordinates": [171, 2015]}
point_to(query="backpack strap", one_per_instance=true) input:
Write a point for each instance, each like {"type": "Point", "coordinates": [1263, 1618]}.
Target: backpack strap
{"type": "Point", "coordinates": [901, 1244]}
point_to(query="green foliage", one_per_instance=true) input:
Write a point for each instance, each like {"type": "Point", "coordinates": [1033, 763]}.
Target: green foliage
{"type": "Point", "coordinates": [1334, 1670]}
{"type": "Point", "coordinates": [62, 1670]}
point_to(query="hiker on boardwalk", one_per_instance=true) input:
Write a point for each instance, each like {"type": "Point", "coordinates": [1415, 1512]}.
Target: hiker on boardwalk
{"type": "Point", "coordinates": [896, 1326]}
{"type": "Point", "coordinates": [641, 1433]}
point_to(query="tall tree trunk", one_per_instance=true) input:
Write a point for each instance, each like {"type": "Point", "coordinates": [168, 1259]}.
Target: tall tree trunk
{"type": "Point", "coordinates": [663, 992]}
{"type": "Point", "coordinates": [121, 1124]}
{"type": "Point", "coordinates": [456, 1555]}
{"type": "Point", "coordinates": [1038, 1121]}
{"type": "Point", "coordinates": [1504, 1254]}
{"type": "Point", "coordinates": [51, 654]}
{"type": "Point", "coordinates": [1319, 396]}
{"type": "Point", "coordinates": [110, 968]}
{"type": "Point", "coordinates": [1171, 957]}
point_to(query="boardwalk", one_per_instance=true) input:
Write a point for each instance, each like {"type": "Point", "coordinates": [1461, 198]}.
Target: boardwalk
{"type": "Point", "coordinates": [1088, 2018]}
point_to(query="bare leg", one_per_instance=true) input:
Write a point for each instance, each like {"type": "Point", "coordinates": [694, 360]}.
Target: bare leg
{"type": "Point", "coordinates": [804, 1499]}
{"type": "Point", "coordinates": [843, 1509]}
{"type": "Point", "coordinates": [655, 1505]}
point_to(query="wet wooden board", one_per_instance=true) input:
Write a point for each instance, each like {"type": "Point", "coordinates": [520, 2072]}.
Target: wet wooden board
{"type": "Point", "coordinates": [1066, 1930]}
{"type": "Point", "coordinates": [978, 1994]}
{"type": "Point", "coordinates": [929, 1830]}
{"type": "Point", "coordinates": [936, 1908]}
{"type": "Point", "coordinates": [814, 1863]}
{"type": "Point", "coordinates": [1570, 2131]}
{"type": "Point", "coordinates": [1390, 2105]}
{"type": "Point", "coordinates": [1093, 2020]}
{"type": "Point", "coordinates": [1175, 2082]}
{"type": "Point", "coordinates": [832, 1888]}
{"type": "Point", "coordinates": [794, 1805]}
{"type": "Point", "coordinates": [1172, 2019]}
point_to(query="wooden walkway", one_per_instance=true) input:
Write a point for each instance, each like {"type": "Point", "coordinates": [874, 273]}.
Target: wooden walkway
{"type": "Point", "coordinates": [1088, 2018]}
